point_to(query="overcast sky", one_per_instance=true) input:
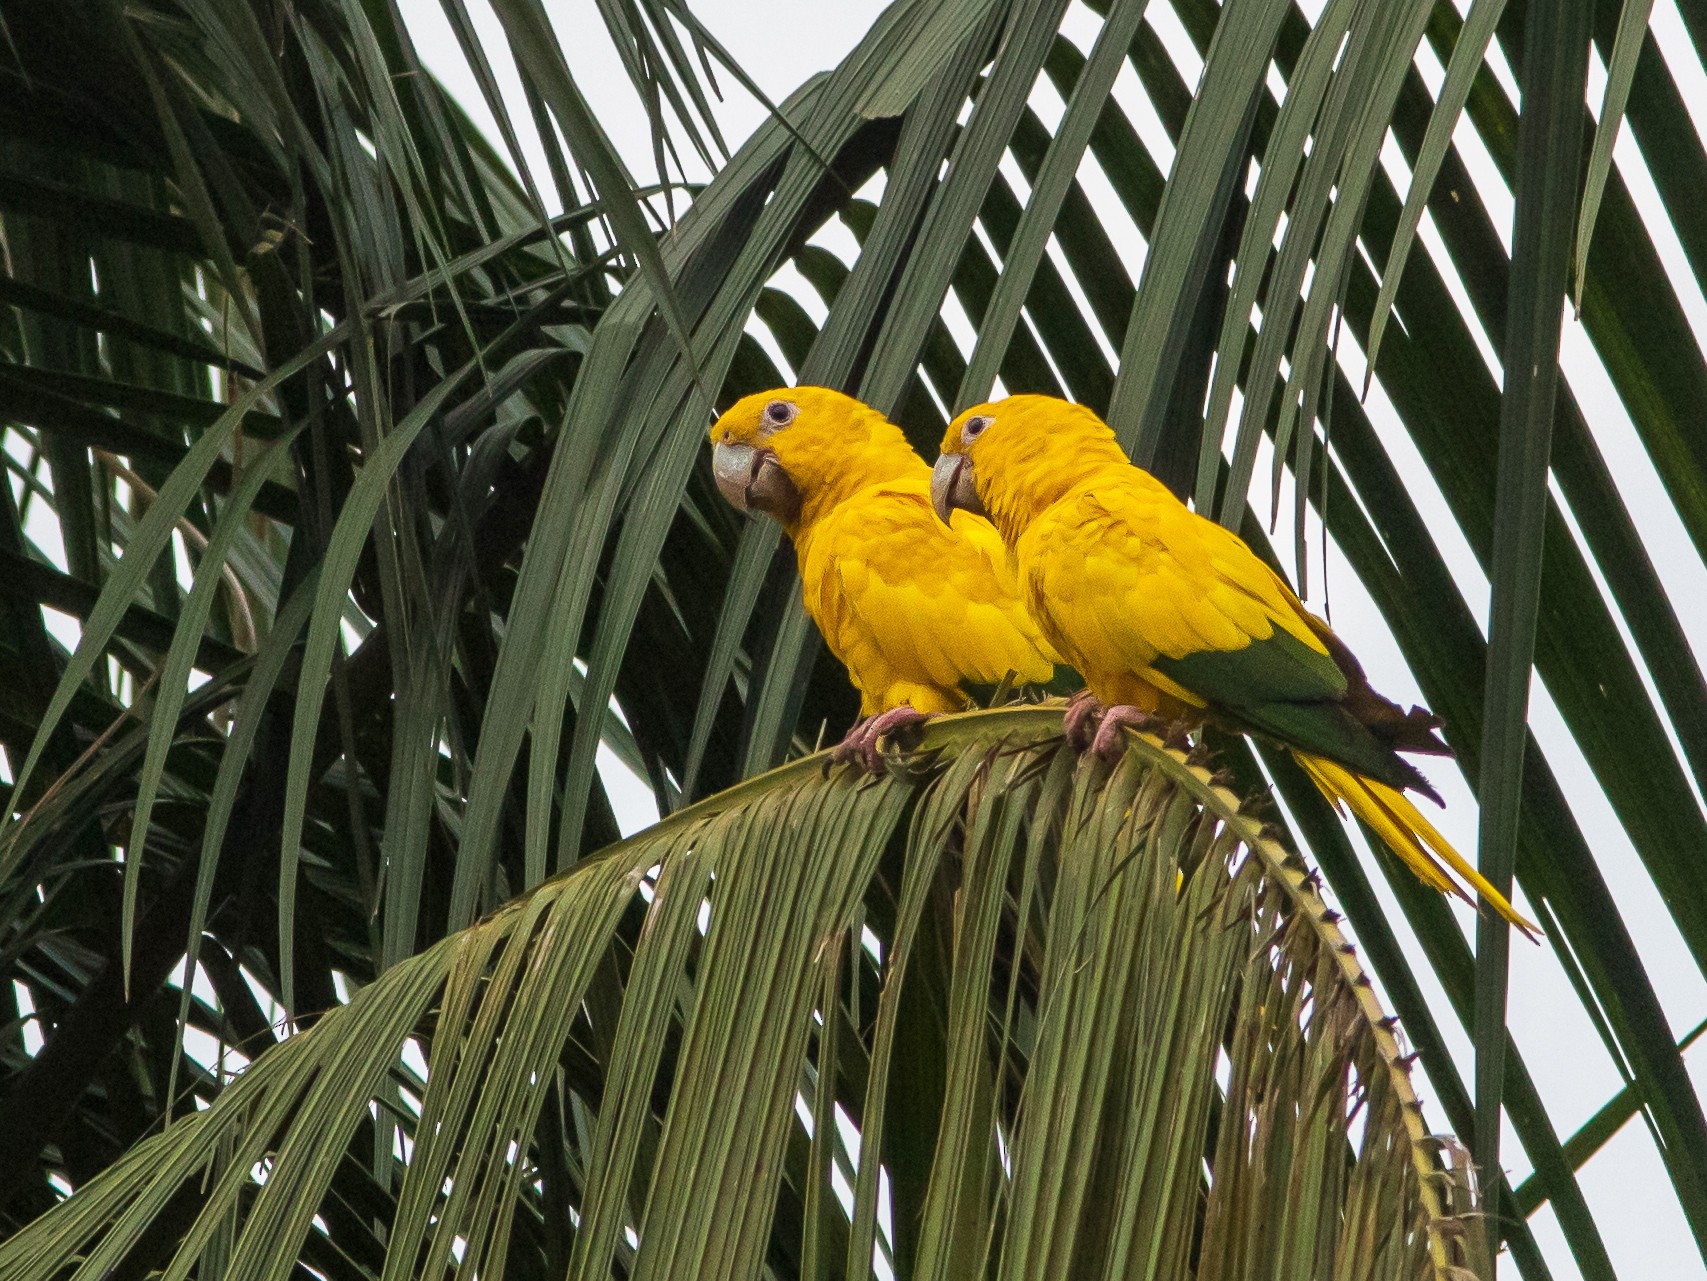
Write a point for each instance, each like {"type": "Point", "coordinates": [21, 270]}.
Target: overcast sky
{"type": "Point", "coordinates": [780, 43]}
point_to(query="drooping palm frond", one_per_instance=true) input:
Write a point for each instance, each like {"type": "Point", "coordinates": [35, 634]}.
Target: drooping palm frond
{"type": "Point", "coordinates": [268, 292]}
{"type": "Point", "coordinates": [1080, 1022]}
{"type": "Point", "coordinates": [305, 394]}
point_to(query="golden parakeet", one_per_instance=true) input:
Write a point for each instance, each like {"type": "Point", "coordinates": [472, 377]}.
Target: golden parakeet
{"type": "Point", "coordinates": [913, 608]}
{"type": "Point", "coordinates": [1170, 616]}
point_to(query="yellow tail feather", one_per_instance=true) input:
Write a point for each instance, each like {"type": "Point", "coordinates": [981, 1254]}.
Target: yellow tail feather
{"type": "Point", "coordinates": [1407, 833]}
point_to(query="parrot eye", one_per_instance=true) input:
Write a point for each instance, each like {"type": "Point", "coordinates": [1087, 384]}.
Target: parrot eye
{"type": "Point", "coordinates": [974, 427]}
{"type": "Point", "coordinates": [779, 413]}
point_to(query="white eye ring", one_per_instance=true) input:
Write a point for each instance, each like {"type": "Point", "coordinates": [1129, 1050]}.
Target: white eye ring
{"type": "Point", "coordinates": [974, 427]}
{"type": "Point", "coordinates": [779, 413]}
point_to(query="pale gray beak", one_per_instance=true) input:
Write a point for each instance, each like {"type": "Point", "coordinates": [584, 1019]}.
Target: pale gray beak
{"type": "Point", "coordinates": [752, 480]}
{"type": "Point", "coordinates": [951, 487]}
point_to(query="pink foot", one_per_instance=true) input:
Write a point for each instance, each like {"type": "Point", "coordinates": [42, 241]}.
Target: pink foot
{"type": "Point", "coordinates": [1110, 742]}
{"type": "Point", "coordinates": [864, 741]}
{"type": "Point", "coordinates": [1079, 721]}
{"type": "Point", "coordinates": [849, 748]}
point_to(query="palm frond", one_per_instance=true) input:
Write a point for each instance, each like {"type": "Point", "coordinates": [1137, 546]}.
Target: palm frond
{"type": "Point", "coordinates": [1153, 1049]}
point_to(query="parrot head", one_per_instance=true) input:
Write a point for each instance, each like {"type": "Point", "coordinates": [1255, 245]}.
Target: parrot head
{"type": "Point", "coordinates": [794, 451]}
{"type": "Point", "coordinates": [1009, 459]}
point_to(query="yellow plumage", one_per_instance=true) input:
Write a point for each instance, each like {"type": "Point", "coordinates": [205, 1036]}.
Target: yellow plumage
{"type": "Point", "coordinates": [914, 610]}
{"type": "Point", "coordinates": [1163, 610]}
{"type": "Point", "coordinates": [1145, 584]}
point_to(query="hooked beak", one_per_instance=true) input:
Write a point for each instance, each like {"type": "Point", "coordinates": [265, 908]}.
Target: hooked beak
{"type": "Point", "coordinates": [752, 480]}
{"type": "Point", "coordinates": [951, 487]}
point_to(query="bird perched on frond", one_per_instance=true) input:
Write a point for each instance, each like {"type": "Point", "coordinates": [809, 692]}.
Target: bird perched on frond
{"type": "Point", "coordinates": [915, 609]}
{"type": "Point", "coordinates": [1170, 617]}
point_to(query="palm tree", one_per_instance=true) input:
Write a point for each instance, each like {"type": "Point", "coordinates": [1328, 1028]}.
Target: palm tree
{"type": "Point", "coordinates": [358, 517]}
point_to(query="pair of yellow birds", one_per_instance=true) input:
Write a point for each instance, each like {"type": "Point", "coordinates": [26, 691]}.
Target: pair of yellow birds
{"type": "Point", "coordinates": [1035, 540]}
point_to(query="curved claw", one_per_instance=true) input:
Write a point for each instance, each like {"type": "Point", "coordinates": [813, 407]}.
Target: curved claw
{"type": "Point", "coordinates": [1079, 721]}
{"type": "Point", "coordinates": [863, 742]}
{"type": "Point", "coordinates": [849, 748]}
{"type": "Point", "coordinates": [884, 726]}
{"type": "Point", "coordinates": [1110, 743]}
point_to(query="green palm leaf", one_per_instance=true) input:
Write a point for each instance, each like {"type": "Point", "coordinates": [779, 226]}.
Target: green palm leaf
{"type": "Point", "coordinates": [1033, 908]}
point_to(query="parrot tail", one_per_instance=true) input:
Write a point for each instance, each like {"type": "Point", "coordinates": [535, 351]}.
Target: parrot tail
{"type": "Point", "coordinates": [1407, 833]}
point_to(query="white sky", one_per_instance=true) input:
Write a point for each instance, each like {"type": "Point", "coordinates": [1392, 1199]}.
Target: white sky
{"type": "Point", "coordinates": [781, 42]}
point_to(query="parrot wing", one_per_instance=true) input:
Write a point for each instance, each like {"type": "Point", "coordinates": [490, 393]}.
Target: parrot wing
{"type": "Point", "coordinates": [1198, 613]}
{"type": "Point", "coordinates": [905, 601]}
{"type": "Point", "coordinates": [1404, 731]}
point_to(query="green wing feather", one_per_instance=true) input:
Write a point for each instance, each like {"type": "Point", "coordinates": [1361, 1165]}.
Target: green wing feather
{"type": "Point", "coordinates": [1280, 669]}
{"type": "Point", "coordinates": [1283, 688]}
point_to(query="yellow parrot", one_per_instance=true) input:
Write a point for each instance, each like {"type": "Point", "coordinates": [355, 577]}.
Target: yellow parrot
{"type": "Point", "coordinates": [1171, 617]}
{"type": "Point", "coordinates": [912, 607]}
